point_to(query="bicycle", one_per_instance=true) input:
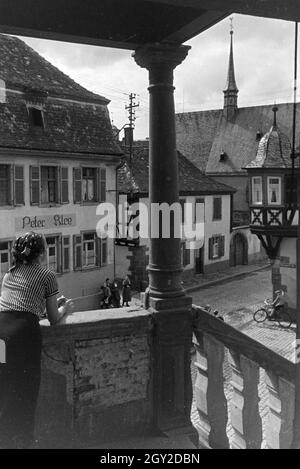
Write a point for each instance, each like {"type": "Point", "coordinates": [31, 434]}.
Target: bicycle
{"type": "Point", "coordinates": [271, 313]}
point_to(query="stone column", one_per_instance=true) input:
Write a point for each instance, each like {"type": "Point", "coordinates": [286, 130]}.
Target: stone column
{"type": "Point", "coordinates": [172, 390]}
{"type": "Point", "coordinates": [165, 260]}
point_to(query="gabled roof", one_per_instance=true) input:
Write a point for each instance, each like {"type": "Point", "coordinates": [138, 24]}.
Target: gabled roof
{"type": "Point", "coordinates": [204, 135]}
{"type": "Point", "coordinates": [21, 67]}
{"type": "Point", "coordinates": [191, 179]}
{"type": "Point", "coordinates": [75, 120]}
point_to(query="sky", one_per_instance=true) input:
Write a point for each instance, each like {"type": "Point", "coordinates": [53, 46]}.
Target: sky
{"type": "Point", "coordinates": [263, 57]}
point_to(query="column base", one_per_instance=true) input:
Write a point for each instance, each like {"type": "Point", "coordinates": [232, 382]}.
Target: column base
{"type": "Point", "coordinates": [172, 382]}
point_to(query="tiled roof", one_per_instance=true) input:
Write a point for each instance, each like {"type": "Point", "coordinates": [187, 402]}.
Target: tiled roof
{"type": "Point", "coordinates": [76, 120]}
{"type": "Point", "coordinates": [202, 136]}
{"type": "Point", "coordinates": [191, 179]}
{"type": "Point", "coordinates": [274, 151]}
{"type": "Point", "coordinates": [21, 67]}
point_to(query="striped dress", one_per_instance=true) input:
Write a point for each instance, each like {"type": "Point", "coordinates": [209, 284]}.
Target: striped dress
{"type": "Point", "coordinates": [26, 287]}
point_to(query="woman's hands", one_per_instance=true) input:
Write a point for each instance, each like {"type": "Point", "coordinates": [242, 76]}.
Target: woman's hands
{"type": "Point", "coordinates": [66, 306]}
{"type": "Point", "coordinates": [57, 308]}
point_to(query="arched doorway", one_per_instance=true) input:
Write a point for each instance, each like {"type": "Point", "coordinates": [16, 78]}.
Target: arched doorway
{"type": "Point", "coordinates": [238, 250]}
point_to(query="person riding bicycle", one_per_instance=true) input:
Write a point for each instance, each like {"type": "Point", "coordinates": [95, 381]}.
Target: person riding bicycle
{"type": "Point", "coordinates": [278, 304]}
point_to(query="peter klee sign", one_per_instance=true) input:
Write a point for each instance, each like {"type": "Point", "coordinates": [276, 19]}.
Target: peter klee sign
{"type": "Point", "coordinates": [36, 222]}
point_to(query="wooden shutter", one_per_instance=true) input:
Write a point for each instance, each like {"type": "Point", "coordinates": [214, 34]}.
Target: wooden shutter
{"type": "Point", "coordinates": [64, 185]}
{"type": "Point", "coordinates": [77, 184]}
{"type": "Point", "coordinates": [34, 185]}
{"type": "Point", "coordinates": [210, 248]}
{"type": "Point", "coordinates": [98, 251]}
{"type": "Point", "coordinates": [186, 256]}
{"type": "Point", "coordinates": [19, 185]}
{"type": "Point", "coordinates": [77, 252]}
{"type": "Point", "coordinates": [221, 242]}
{"type": "Point", "coordinates": [10, 175]}
{"type": "Point", "coordinates": [104, 251]}
{"type": "Point", "coordinates": [102, 192]}
{"type": "Point", "coordinates": [65, 253]}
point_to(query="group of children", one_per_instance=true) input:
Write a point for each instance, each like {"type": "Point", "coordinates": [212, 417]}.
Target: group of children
{"type": "Point", "coordinates": [110, 294]}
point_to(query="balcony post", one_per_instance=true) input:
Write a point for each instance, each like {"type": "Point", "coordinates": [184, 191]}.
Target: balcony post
{"type": "Point", "coordinates": [279, 430]}
{"type": "Point", "coordinates": [171, 308]}
{"type": "Point", "coordinates": [244, 410]}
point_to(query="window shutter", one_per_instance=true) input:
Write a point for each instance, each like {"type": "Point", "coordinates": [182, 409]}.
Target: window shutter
{"type": "Point", "coordinates": [210, 248]}
{"type": "Point", "coordinates": [102, 194]}
{"type": "Point", "coordinates": [77, 252]}
{"type": "Point", "coordinates": [65, 253]}
{"type": "Point", "coordinates": [104, 251]}
{"type": "Point", "coordinates": [11, 194]}
{"type": "Point", "coordinates": [221, 242]}
{"type": "Point", "coordinates": [77, 185]}
{"type": "Point", "coordinates": [98, 251]}
{"type": "Point", "coordinates": [34, 185]}
{"type": "Point", "coordinates": [19, 185]}
{"type": "Point", "coordinates": [64, 185]}
{"type": "Point", "coordinates": [186, 256]}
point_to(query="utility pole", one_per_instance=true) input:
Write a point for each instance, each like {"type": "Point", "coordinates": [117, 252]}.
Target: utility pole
{"type": "Point", "coordinates": [131, 117]}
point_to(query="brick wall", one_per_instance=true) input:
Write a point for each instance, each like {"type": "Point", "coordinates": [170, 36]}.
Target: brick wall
{"type": "Point", "coordinates": [96, 378]}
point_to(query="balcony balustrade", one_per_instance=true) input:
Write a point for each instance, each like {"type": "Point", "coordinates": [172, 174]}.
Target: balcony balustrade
{"type": "Point", "coordinates": [243, 392]}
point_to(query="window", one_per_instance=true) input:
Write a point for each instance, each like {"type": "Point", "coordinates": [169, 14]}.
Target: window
{"type": "Point", "coordinates": [49, 189]}
{"type": "Point", "coordinates": [217, 208]}
{"type": "Point", "coordinates": [36, 116]}
{"type": "Point", "coordinates": [185, 255]}
{"type": "Point", "coordinates": [257, 190]}
{"type": "Point", "coordinates": [89, 251]}
{"type": "Point", "coordinates": [199, 210]}
{"type": "Point", "coordinates": [5, 257]}
{"type": "Point", "coordinates": [52, 255]}
{"type": "Point", "coordinates": [49, 185]}
{"type": "Point", "coordinates": [216, 247]}
{"type": "Point", "coordinates": [89, 185]}
{"type": "Point", "coordinates": [291, 189]}
{"type": "Point", "coordinates": [182, 203]}
{"type": "Point", "coordinates": [11, 185]}
{"type": "Point", "coordinates": [274, 190]}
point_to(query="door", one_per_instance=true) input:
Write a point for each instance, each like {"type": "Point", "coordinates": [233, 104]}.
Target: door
{"type": "Point", "coordinates": [239, 250]}
{"type": "Point", "coordinates": [199, 261]}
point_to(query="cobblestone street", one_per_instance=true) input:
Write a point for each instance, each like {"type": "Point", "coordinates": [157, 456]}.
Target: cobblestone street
{"type": "Point", "coordinates": [237, 299]}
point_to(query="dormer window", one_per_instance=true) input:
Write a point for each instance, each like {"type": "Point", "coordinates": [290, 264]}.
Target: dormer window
{"type": "Point", "coordinates": [36, 116]}
{"type": "Point", "coordinates": [274, 190]}
{"type": "Point", "coordinates": [223, 156]}
{"type": "Point", "coordinates": [258, 136]}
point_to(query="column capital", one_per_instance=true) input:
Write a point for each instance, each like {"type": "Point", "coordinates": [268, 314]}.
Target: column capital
{"type": "Point", "coordinates": [160, 54]}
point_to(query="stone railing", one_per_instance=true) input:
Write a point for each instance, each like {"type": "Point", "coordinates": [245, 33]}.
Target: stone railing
{"type": "Point", "coordinates": [243, 392]}
{"type": "Point", "coordinates": [96, 378]}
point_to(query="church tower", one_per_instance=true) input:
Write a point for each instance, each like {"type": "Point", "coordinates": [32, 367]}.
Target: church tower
{"type": "Point", "coordinates": [231, 91]}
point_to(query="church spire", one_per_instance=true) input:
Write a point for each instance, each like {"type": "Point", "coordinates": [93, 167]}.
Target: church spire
{"type": "Point", "coordinates": [231, 91]}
